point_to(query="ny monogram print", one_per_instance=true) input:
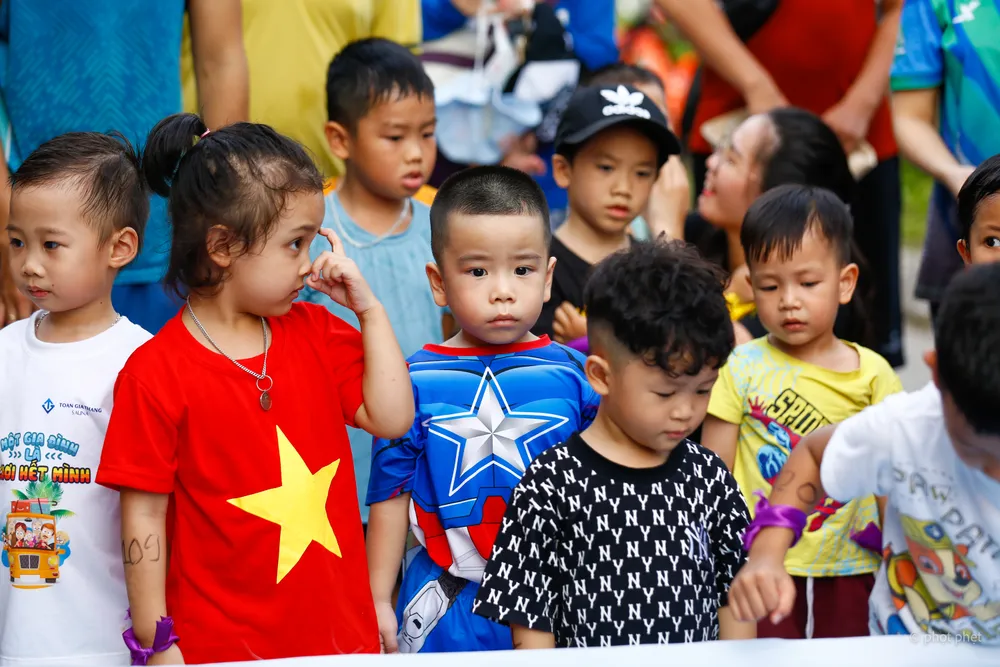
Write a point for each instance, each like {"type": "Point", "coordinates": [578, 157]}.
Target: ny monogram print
{"type": "Point", "coordinates": [603, 555]}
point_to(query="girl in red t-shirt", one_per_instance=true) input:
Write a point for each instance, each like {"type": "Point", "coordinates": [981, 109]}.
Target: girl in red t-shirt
{"type": "Point", "coordinates": [233, 416]}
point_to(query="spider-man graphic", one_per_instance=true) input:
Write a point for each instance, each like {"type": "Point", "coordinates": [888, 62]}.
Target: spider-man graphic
{"type": "Point", "coordinates": [771, 458]}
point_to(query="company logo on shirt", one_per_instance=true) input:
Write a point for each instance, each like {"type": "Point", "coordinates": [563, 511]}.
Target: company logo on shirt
{"type": "Point", "coordinates": [624, 103]}
{"type": "Point", "coordinates": [81, 409]}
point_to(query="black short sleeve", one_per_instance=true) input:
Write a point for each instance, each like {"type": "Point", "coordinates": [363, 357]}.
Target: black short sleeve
{"type": "Point", "coordinates": [731, 521]}
{"type": "Point", "coordinates": [521, 583]}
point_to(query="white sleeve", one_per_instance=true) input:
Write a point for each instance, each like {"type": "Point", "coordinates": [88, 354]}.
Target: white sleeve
{"type": "Point", "coordinates": [858, 459]}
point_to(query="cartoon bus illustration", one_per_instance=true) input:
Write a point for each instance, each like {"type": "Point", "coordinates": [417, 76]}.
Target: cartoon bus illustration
{"type": "Point", "coordinates": [30, 543]}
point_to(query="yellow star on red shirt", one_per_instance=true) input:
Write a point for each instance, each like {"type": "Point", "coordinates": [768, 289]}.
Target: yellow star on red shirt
{"type": "Point", "coordinates": [298, 506]}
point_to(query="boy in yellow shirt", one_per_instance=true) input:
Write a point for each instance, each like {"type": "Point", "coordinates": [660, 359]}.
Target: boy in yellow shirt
{"type": "Point", "coordinates": [775, 390]}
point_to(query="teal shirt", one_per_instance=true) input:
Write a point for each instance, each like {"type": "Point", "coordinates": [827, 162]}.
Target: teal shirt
{"type": "Point", "coordinates": [395, 270]}
{"type": "Point", "coordinates": [954, 45]}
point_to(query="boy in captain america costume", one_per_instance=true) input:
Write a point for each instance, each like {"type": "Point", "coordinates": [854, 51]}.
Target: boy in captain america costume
{"type": "Point", "coordinates": [488, 402]}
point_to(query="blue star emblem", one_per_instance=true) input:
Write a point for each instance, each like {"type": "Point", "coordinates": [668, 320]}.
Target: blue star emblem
{"type": "Point", "coordinates": [48, 406]}
{"type": "Point", "coordinates": [491, 434]}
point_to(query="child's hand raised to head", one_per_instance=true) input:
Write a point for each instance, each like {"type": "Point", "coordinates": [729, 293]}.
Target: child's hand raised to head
{"type": "Point", "coordinates": [336, 275]}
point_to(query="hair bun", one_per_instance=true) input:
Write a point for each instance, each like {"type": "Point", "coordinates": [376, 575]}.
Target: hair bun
{"type": "Point", "coordinates": [167, 144]}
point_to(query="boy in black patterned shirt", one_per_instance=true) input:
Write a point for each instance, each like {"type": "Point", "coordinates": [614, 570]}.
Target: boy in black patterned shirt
{"type": "Point", "coordinates": [629, 533]}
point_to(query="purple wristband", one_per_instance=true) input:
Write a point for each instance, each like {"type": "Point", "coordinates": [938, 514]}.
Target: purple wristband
{"type": "Point", "coordinates": [581, 345]}
{"type": "Point", "coordinates": [870, 538]}
{"type": "Point", "coordinates": [162, 640]}
{"type": "Point", "coordinates": [774, 516]}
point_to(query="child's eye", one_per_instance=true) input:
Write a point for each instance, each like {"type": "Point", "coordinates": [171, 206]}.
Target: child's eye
{"type": "Point", "coordinates": [810, 283]}
{"type": "Point", "coordinates": [643, 173]}
{"type": "Point", "coordinates": [704, 392]}
{"type": "Point", "coordinates": [477, 273]}
{"type": "Point", "coordinates": [523, 270]}
{"type": "Point", "coordinates": [395, 138]}
{"type": "Point", "coordinates": [992, 242]}
{"type": "Point", "coordinates": [16, 243]}
{"type": "Point", "coordinates": [606, 168]}
{"type": "Point", "coordinates": [429, 135]}
{"type": "Point", "coordinates": [767, 288]}
{"type": "Point", "coordinates": [664, 395]}
{"type": "Point", "coordinates": [295, 245]}
{"type": "Point", "coordinates": [51, 245]}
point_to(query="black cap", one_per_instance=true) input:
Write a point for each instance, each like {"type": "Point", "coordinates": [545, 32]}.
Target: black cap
{"type": "Point", "coordinates": [592, 110]}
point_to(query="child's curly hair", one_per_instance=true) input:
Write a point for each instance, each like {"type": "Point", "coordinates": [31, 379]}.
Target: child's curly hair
{"type": "Point", "coordinates": [664, 302]}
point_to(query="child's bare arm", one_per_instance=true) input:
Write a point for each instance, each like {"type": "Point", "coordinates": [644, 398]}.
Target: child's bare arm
{"type": "Point", "coordinates": [721, 437]}
{"type": "Point", "coordinates": [763, 588]}
{"type": "Point", "coordinates": [527, 639]}
{"type": "Point", "coordinates": [388, 523]}
{"type": "Point", "coordinates": [144, 554]}
{"type": "Point", "coordinates": [387, 410]}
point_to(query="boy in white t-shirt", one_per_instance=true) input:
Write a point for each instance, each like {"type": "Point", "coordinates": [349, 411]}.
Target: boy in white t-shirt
{"type": "Point", "coordinates": [935, 455]}
{"type": "Point", "coordinates": [77, 213]}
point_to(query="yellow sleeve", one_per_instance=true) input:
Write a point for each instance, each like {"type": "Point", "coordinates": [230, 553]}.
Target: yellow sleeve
{"type": "Point", "coordinates": [726, 402]}
{"type": "Point", "coordinates": [398, 20]}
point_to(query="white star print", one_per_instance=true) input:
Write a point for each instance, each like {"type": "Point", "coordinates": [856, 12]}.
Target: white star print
{"type": "Point", "coordinates": [491, 433]}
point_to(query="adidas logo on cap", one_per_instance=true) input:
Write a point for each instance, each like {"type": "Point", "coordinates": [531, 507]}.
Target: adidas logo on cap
{"type": "Point", "coordinates": [624, 103]}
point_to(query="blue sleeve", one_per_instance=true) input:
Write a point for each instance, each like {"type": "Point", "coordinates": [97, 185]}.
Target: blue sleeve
{"type": "Point", "coordinates": [394, 462]}
{"type": "Point", "coordinates": [440, 19]}
{"type": "Point", "coordinates": [919, 60]}
{"type": "Point", "coordinates": [592, 25]}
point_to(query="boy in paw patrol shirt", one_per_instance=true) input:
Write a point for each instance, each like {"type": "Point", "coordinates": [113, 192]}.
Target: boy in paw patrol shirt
{"type": "Point", "coordinates": [610, 145]}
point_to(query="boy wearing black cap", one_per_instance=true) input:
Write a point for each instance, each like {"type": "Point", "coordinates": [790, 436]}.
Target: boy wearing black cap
{"type": "Point", "coordinates": [610, 145]}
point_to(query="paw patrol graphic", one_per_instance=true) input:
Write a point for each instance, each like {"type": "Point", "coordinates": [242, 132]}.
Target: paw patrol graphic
{"type": "Point", "coordinates": [934, 580]}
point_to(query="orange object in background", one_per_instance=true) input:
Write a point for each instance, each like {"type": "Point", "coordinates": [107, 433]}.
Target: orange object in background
{"type": "Point", "coordinates": [644, 47]}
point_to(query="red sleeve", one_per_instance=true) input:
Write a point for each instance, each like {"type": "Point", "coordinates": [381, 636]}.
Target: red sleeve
{"type": "Point", "coordinates": [345, 357]}
{"type": "Point", "coordinates": [140, 449]}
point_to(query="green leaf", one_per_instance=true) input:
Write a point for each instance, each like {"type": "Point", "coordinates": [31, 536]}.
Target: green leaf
{"type": "Point", "coordinates": [62, 514]}
{"type": "Point", "coordinates": [20, 495]}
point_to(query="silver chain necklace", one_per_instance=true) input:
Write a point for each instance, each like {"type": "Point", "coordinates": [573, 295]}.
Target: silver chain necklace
{"type": "Point", "coordinates": [42, 316]}
{"type": "Point", "coordinates": [342, 232]}
{"type": "Point", "coordinates": [262, 377]}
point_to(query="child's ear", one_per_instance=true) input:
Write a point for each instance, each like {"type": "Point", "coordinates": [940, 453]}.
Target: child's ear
{"type": "Point", "coordinates": [963, 250]}
{"type": "Point", "coordinates": [598, 370]}
{"type": "Point", "coordinates": [930, 358]}
{"type": "Point", "coordinates": [562, 171]}
{"type": "Point", "coordinates": [437, 284]}
{"type": "Point", "coordinates": [338, 139]}
{"type": "Point", "coordinates": [124, 247]}
{"type": "Point", "coordinates": [220, 246]}
{"type": "Point", "coordinates": [848, 282]}
{"type": "Point", "coordinates": [549, 272]}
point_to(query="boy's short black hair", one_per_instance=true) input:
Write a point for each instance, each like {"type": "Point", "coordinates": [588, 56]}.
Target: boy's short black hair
{"type": "Point", "coordinates": [107, 169]}
{"type": "Point", "coordinates": [780, 218]}
{"type": "Point", "coordinates": [490, 190]}
{"type": "Point", "coordinates": [370, 72]}
{"type": "Point", "coordinates": [967, 340]}
{"type": "Point", "coordinates": [627, 75]}
{"type": "Point", "coordinates": [663, 302]}
{"type": "Point", "coordinates": [982, 184]}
